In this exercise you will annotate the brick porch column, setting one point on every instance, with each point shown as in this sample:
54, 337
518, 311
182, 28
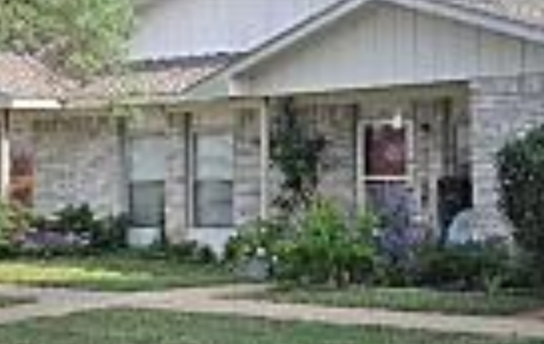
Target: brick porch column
502, 109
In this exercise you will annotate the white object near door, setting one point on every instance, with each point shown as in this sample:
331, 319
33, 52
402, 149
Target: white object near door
143, 237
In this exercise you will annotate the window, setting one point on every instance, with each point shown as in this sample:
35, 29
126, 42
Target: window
147, 204
147, 174
386, 171
213, 180
386, 151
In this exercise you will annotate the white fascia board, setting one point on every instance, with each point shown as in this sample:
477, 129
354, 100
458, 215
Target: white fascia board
34, 104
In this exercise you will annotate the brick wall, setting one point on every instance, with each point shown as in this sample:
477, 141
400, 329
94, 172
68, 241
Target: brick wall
503, 108
78, 161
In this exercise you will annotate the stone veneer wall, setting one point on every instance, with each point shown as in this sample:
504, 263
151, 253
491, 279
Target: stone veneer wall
247, 178
176, 183
503, 108
337, 123
337, 181
81, 159
78, 160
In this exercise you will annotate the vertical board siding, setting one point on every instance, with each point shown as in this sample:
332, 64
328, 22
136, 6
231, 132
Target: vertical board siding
388, 45
185, 27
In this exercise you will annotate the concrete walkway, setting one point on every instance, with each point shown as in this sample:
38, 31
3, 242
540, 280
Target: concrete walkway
58, 302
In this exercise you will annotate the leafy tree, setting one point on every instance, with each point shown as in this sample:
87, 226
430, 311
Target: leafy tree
77, 37
521, 185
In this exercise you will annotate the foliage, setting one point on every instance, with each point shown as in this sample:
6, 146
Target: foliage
397, 255
326, 248
14, 219
109, 233
297, 151
73, 219
252, 251
77, 37
258, 239
521, 185
476, 265
76, 228
191, 252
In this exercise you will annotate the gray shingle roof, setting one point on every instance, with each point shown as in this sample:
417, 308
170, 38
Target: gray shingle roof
25, 77
161, 77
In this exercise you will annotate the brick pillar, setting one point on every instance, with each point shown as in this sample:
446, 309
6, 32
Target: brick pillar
502, 109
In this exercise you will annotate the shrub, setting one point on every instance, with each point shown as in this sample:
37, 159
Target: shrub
252, 252
14, 220
191, 252
75, 229
477, 265
397, 255
109, 233
44, 244
325, 248
258, 239
520, 167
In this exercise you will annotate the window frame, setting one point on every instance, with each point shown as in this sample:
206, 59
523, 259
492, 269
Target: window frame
193, 178
362, 177
162, 217
132, 183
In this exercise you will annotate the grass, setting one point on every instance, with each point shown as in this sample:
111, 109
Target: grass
159, 327
462, 303
115, 272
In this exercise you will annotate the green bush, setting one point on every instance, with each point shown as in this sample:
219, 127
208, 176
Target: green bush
327, 249
107, 233
477, 265
258, 239
520, 167
14, 221
191, 252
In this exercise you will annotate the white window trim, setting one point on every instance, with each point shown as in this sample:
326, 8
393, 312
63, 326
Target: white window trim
129, 163
192, 179
361, 178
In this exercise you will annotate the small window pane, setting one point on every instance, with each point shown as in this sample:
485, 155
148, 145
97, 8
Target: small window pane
393, 202
214, 157
148, 158
385, 151
147, 204
213, 204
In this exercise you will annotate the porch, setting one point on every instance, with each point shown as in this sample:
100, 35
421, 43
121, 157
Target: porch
403, 153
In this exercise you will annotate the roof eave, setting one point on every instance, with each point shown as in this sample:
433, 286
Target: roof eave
334, 13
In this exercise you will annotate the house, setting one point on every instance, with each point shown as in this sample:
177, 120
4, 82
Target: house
414, 96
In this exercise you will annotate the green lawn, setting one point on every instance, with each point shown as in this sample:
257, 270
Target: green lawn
410, 300
139, 327
119, 272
